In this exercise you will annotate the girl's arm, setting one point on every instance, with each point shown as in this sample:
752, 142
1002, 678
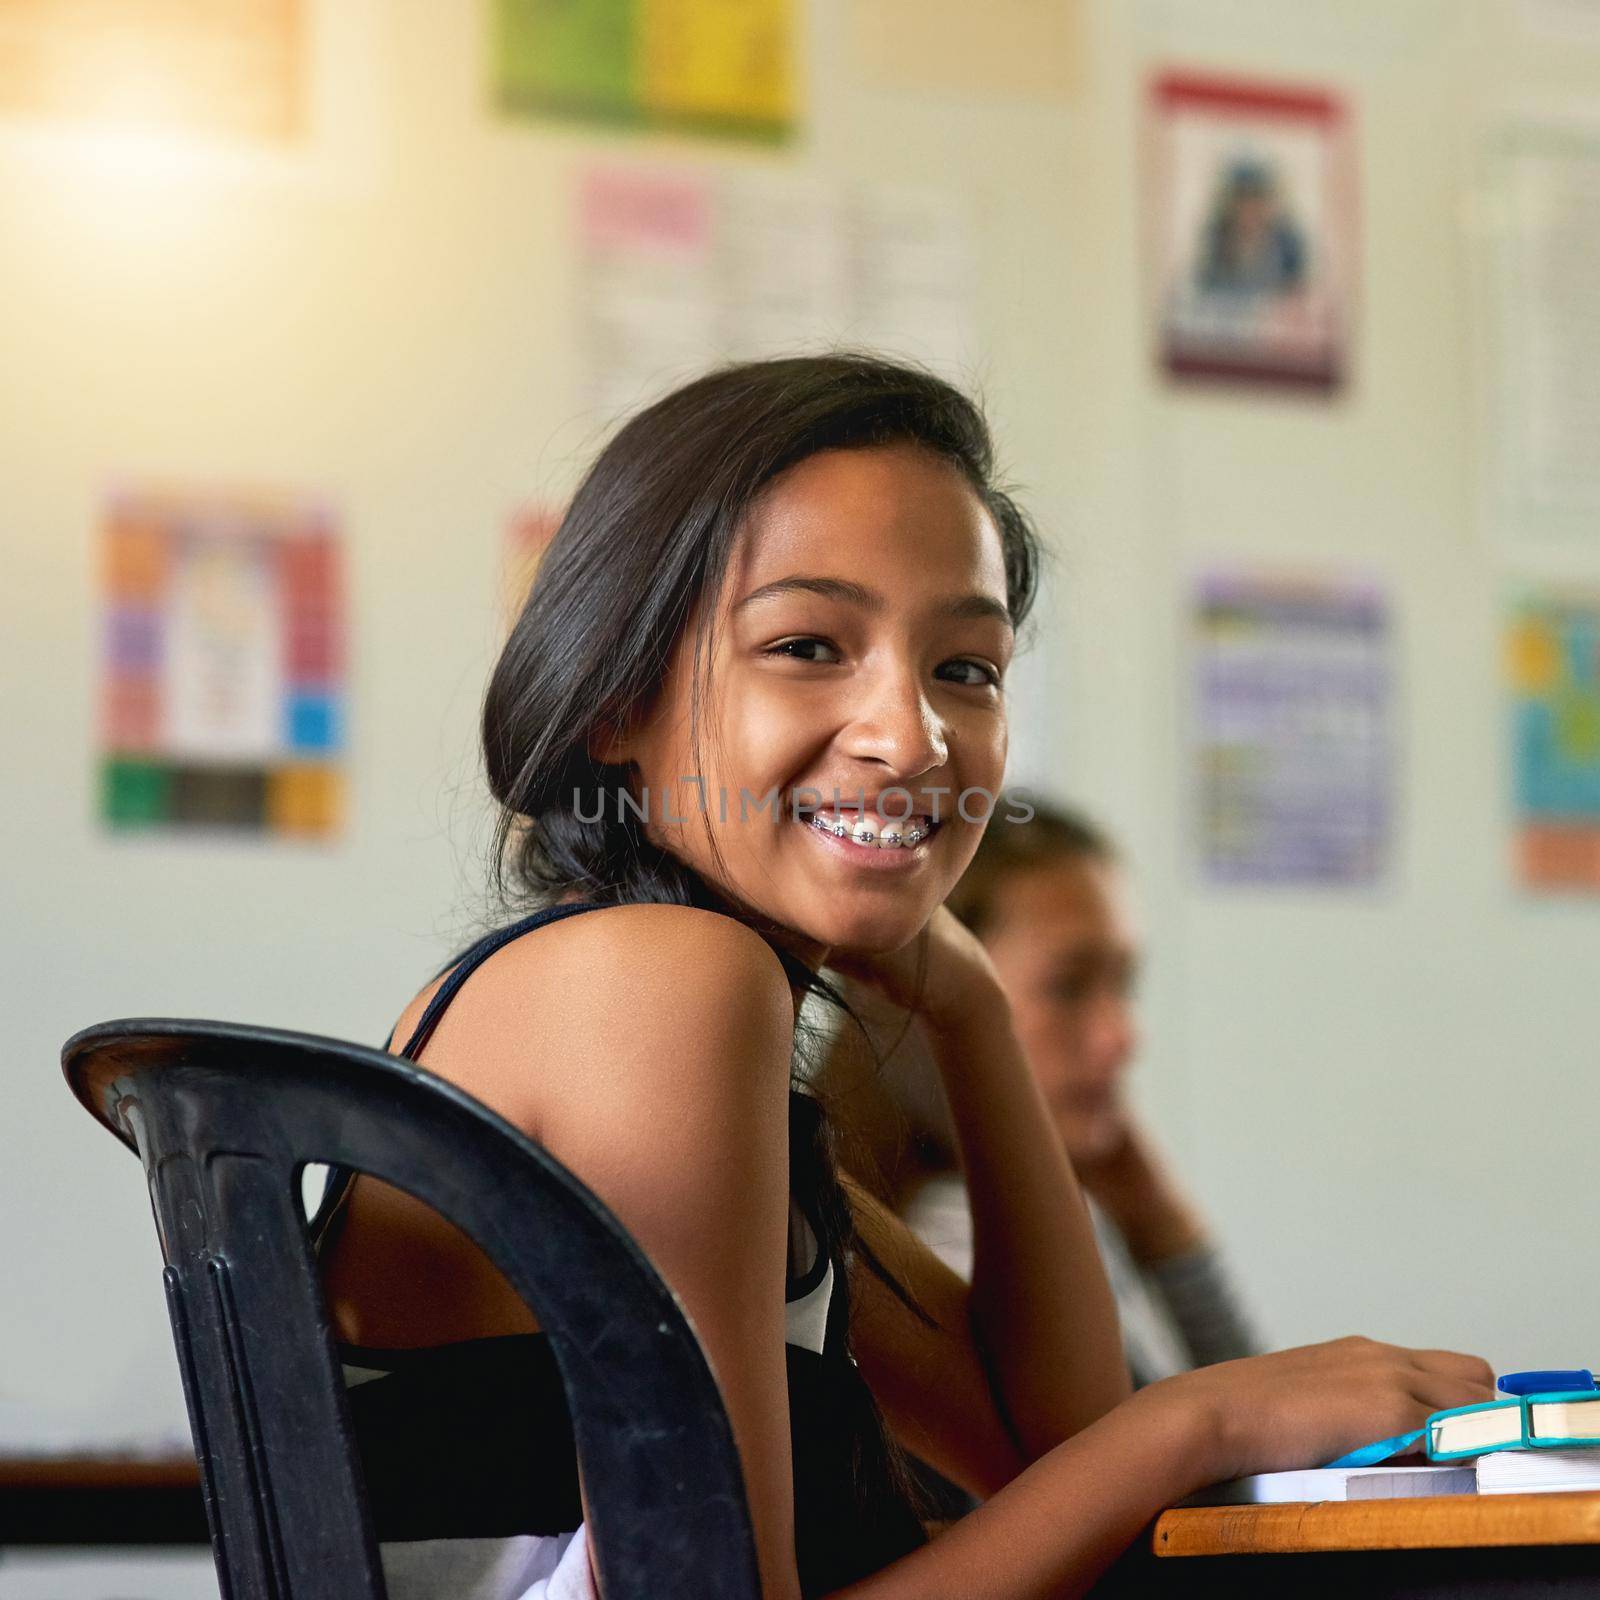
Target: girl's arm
1170, 1245
1041, 1311
1052, 1531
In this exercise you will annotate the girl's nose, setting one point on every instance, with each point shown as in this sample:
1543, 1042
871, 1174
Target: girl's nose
895, 725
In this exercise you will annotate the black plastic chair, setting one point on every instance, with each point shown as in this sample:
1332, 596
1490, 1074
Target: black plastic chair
225, 1118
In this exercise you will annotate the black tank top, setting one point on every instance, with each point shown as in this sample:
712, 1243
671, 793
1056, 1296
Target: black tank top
473, 1440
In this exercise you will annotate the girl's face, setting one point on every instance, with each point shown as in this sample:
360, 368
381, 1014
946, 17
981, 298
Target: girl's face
854, 689
1065, 950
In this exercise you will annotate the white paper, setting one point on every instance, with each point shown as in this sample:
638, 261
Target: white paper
679, 270
1544, 413
223, 668
1538, 1471
1339, 1483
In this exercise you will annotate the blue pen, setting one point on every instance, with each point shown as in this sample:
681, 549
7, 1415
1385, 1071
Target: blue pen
1546, 1381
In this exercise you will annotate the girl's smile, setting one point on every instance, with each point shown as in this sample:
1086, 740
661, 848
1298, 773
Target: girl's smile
870, 841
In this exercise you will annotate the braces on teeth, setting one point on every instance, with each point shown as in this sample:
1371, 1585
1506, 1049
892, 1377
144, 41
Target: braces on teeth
890, 839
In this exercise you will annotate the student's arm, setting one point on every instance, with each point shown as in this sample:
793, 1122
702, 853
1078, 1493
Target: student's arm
1053, 1530
648, 1049
926, 1370
1200, 1297
1170, 1245
1040, 1310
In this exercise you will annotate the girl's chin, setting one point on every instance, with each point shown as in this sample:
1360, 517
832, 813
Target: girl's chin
876, 933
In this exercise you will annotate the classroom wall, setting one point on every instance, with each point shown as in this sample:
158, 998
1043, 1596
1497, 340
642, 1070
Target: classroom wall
1366, 1089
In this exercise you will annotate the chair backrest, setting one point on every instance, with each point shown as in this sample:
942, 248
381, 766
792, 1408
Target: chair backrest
224, 1119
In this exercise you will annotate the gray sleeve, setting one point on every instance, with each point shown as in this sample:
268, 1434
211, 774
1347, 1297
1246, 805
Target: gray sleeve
1199, 1295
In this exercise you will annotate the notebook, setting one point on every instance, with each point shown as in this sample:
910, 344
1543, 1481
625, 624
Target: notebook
1338, 1483
1538, 1471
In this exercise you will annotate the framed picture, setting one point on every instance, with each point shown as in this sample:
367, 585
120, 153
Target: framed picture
1252, 221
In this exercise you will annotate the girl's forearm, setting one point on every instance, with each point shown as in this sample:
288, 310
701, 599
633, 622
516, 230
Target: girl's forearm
1042, 1311
1055, 1528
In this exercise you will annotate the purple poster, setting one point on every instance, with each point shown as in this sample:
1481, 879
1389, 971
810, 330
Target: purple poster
1294, 692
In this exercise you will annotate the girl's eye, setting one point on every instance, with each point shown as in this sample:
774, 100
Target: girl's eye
978, 674
1069, 989
804, 649
970, 674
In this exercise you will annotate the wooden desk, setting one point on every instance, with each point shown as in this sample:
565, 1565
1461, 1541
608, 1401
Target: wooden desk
85, 1500
1505, 1545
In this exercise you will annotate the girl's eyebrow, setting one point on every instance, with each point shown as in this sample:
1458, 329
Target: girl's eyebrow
967, 607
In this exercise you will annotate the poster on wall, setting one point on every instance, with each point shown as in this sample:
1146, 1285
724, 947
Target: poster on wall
723, 67
168, 66
1294, 729
1553, 672
224, 662
1571, 21
1542, 324
1251, 222
681, 268
1025, 50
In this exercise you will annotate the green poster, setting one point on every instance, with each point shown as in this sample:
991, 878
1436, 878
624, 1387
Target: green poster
573, 56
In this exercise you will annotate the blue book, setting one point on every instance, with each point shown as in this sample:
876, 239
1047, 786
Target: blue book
1529, 1418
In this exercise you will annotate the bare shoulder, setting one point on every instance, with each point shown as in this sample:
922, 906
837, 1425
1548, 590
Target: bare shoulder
605, 994
666, 938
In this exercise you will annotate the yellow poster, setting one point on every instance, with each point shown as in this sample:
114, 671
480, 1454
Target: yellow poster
719, 60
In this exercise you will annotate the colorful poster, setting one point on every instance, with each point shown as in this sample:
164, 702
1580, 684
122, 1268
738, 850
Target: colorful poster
681, 268
1553, 668
719, 66
1294, 712
1252, 232
170, 66
224, 657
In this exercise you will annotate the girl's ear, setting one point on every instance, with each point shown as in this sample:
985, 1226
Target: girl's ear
611, 744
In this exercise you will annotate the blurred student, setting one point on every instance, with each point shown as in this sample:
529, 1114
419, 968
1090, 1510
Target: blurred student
1047, 898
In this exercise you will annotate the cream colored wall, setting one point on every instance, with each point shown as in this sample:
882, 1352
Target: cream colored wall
389, 324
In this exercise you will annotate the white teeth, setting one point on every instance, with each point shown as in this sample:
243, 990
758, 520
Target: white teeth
895, 836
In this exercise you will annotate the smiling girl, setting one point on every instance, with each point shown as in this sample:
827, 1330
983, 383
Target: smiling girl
764, 655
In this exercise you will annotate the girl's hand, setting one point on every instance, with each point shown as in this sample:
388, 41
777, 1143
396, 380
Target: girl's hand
944, 975
1305, 1407
1136, 1189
